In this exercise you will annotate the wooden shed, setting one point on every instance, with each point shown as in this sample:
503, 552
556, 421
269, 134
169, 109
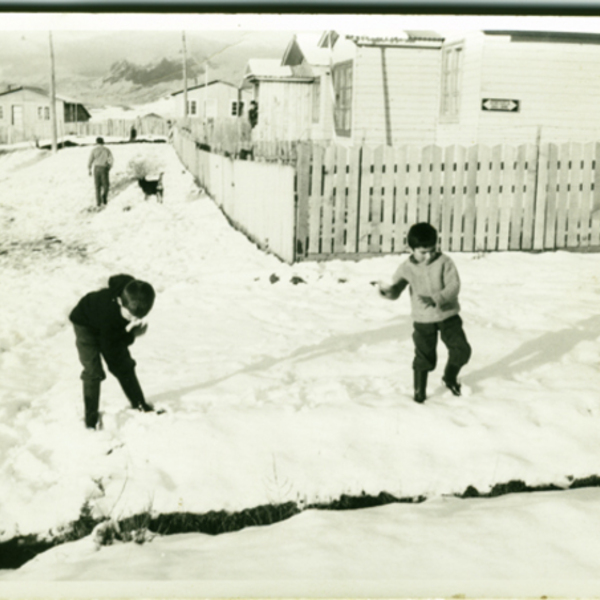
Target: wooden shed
213, 101
283, 94
304, 50
519, 87
25, 115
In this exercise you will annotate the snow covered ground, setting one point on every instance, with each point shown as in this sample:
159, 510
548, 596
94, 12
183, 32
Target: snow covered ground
282, 392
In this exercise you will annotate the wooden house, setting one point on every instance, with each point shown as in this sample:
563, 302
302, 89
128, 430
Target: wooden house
25, 115
304, 51
284, 95
351, 89
216, 100
519, 87
386, 89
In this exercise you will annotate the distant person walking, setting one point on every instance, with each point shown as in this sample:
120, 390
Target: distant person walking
253, 114
101, 160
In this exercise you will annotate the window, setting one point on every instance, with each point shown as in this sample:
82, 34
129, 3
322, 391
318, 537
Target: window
1, 112
192, 107
40, 112
47, 113
316, 101
342, 84
451, 70
237, 108
44, 113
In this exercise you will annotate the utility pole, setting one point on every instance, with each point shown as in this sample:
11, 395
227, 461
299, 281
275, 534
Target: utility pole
52, 97
185, 89
206, 91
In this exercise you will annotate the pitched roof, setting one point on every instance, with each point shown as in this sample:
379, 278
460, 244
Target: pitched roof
561, 37
21, 88
201, 85
306, 46
267, 67
409, 37
402, 38
43, 92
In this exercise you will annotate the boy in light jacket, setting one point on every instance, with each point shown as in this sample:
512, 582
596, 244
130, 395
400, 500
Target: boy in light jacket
434, 285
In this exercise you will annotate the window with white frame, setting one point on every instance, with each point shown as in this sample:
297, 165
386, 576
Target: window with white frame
342, 84
451, 75
47, 113
40, 112
192, 107
316, 101
44, 113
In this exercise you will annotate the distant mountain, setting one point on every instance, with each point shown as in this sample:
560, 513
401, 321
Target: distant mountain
135, 68
135, 83
147, 75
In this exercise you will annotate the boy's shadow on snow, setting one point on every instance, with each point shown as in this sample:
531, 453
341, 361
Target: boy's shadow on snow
547, 349
400, 329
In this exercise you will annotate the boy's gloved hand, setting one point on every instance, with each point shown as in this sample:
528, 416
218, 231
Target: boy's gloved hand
388, 290
140, 329
427, 301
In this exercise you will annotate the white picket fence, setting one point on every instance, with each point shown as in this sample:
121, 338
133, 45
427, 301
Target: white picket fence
338, 202
257, 198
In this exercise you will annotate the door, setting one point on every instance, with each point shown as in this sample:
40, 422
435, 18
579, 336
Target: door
17, 116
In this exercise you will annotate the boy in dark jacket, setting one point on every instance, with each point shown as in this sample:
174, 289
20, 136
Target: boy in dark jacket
434, 286
106, 323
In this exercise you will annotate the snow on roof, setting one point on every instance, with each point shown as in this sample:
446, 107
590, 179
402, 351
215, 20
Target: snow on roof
41, 92
382, 37
401, 38
267, 67
201, 85
21, 88
308, 43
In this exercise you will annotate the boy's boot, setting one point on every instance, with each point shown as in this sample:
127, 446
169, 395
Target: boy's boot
449, 378
91, 400
133, 391
420, 381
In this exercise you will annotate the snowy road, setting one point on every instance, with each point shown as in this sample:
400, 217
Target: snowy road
274, 392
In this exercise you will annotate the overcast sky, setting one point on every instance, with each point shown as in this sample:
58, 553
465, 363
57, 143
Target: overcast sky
272, 22
90, 43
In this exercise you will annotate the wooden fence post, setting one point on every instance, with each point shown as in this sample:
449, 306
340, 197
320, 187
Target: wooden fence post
530, 156
457, 195
470, 200
446, 198
541, 192
354, 185
302, 191
551, 194
595, 220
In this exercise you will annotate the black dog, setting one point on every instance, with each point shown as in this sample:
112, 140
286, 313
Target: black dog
152, 187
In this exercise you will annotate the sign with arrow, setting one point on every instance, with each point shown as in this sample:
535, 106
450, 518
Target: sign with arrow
500, 104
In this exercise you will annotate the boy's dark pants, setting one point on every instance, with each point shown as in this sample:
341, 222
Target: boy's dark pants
425, 337
101, 183
88, 348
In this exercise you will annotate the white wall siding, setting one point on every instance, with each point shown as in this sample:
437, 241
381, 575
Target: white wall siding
557, 85
284, 111
464, 130
216, 97
413, 94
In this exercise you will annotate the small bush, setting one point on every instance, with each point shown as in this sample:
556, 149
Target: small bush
145, 166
